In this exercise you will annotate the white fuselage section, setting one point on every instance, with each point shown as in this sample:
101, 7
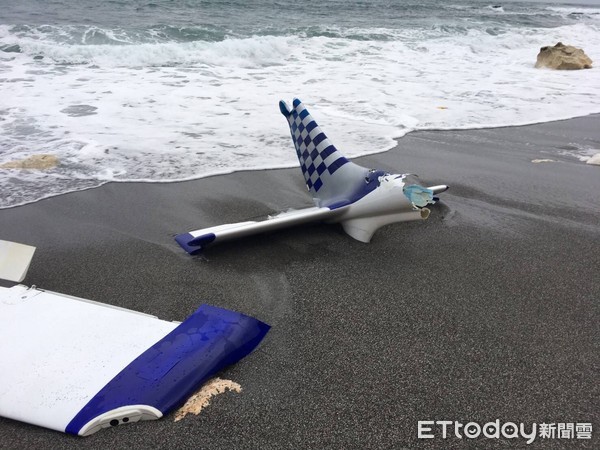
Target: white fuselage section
385, 205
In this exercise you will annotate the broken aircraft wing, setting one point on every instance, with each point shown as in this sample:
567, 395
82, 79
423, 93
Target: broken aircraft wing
77, 366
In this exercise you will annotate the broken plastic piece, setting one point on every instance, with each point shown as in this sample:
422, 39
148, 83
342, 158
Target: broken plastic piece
418, 195
14, 260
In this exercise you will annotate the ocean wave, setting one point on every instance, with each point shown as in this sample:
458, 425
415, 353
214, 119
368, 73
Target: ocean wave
575, 9
180, 110
93, 36
249, 52
97, 35
261, 50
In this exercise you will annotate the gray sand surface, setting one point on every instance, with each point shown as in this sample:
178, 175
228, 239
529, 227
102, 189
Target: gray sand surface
488, 310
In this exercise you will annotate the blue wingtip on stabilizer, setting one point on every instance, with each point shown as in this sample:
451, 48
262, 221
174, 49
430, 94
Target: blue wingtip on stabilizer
184, 241
194, 245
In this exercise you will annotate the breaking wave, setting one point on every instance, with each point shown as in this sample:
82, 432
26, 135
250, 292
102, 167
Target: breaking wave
173, 102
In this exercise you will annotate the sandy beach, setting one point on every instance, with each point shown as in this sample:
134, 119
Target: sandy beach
488, 310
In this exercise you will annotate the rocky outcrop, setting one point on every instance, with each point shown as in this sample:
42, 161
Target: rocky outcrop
563, 57
32, 162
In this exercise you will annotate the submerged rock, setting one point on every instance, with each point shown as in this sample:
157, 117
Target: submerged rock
563, 57
39, 162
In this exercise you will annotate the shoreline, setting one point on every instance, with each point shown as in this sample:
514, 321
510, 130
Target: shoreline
293, 165
489, 309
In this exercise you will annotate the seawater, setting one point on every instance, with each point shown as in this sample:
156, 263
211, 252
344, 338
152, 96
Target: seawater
132, 90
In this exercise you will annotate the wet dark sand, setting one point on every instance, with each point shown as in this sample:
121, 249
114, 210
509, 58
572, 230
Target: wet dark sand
488, 310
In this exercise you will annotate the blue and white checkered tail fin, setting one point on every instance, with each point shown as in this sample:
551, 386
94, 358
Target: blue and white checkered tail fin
330, 177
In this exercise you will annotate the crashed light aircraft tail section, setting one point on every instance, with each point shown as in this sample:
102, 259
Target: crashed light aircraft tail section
362, 200
330, 177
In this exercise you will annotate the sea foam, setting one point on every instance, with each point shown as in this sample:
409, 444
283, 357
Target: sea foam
130, 108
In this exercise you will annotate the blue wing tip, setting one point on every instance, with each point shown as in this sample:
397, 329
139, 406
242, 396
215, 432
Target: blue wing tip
184, 240
168, 372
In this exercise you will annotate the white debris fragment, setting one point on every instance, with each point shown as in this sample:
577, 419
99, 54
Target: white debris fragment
536, 161
594, 159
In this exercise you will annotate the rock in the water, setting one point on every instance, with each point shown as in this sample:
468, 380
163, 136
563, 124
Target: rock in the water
563, 57
32, 162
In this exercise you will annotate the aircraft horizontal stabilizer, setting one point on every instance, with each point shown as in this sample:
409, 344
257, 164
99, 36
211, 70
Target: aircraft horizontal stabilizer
195, 241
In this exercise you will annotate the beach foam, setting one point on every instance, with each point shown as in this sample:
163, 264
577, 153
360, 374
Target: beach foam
136, 105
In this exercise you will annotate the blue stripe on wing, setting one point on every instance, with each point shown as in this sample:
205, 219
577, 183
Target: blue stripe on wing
166, 374
194, 245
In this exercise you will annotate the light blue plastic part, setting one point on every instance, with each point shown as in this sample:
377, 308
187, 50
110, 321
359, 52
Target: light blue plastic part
418, 195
